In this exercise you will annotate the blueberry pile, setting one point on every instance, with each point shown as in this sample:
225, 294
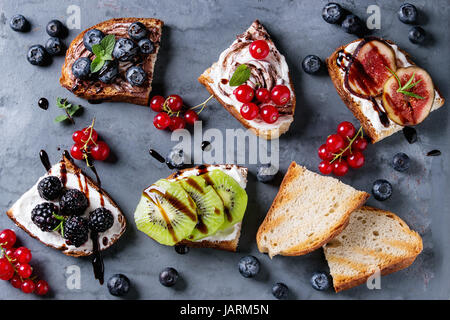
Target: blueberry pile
333, 13
407, 13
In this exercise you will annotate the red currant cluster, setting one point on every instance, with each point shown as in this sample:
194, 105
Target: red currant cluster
86, 143
170, 111
343, 150
15, 268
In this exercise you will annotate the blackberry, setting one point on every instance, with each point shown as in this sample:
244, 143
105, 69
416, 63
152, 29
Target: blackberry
42, 216
50, 188
76, 231
73, 202
100, 220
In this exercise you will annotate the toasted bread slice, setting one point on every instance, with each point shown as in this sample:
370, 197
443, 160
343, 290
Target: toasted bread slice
225, 239
268, 72
373, 240
307, 212
363, 109
20, 212
119, 89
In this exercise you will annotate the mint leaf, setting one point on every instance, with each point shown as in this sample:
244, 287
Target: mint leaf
73, 109
108, 43
240, 75
61, 118
97, 64
98, 50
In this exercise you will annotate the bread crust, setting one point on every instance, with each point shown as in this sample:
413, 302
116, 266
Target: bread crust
338, 82
109, 93
72, 168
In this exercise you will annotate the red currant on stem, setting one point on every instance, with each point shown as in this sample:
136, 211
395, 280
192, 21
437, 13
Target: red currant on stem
360, 144
24, 270
77, 151
263, 95
42, 288
190, 116
7, 238
10, 254
177, 123
244, 93
174, 102
335, 143
89, 135
346, 130
356, 160
340, 167
16, 282
280, 95
6, 269
325, 167
22, 255
161, 121
28, 286
157, 103
249, 111
269, 113
324, 153
100, 151
259, 49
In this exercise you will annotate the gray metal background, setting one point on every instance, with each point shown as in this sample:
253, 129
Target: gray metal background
194, 35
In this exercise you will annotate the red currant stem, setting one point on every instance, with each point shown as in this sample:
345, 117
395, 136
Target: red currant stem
349, 146
203, 104
166, 107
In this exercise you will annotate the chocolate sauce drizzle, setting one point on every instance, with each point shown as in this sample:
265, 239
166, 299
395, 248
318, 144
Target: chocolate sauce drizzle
97, 259
410, 134
205, 145
156, 155
44, 159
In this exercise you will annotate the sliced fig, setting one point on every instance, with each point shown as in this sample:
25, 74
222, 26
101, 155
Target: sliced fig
412, 107
367, 73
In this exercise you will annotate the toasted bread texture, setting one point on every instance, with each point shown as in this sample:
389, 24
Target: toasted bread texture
374, 240
119, 89
308, 211
258, 127
363, 109
20, 212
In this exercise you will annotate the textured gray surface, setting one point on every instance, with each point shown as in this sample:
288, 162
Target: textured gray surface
194, 35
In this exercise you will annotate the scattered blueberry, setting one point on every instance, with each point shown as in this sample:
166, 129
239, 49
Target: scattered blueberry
312, 64
109, 71
81, 68
125, 49
54, 46
407, 13
91, 37
55, 28
333, 13
181, 249
266, 172
137, 31
321, 281
249, 266
280, 290
401, 162
146, 46
136, 76
382, 189
416, 35
37, 55
168, 277
19, 23
176, 159
118, 285
352, 24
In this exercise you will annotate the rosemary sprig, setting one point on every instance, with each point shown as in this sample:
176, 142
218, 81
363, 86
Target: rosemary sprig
407, 86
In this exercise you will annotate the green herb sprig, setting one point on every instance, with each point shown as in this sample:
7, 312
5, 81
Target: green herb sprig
240, 75
407, 86
103, 52
60, 226
69, 108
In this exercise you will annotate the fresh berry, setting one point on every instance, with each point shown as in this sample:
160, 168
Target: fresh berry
168, 277
269, 113
280, 94
157, 103
266, 172
5, 267
37, 55
54, 46
100, 220
176, 158
324, 153
417, 35
10, 253
333, 13
249, 266
43, 103
125, 49
19, 23
312, 64
50, 188
77, 151
346, 130
24, 270
145, 46
181, 249
100, 151
401, 162
42, 288
136, 76
259, 49
335, 143
352, 24
360, 144
191, 116
23, 255
7, 276
244, 93
326, 167
249, 111
407, 13
108, 71
43, 216
16, 282
55, 28
118, 285
340, 167
263, 95
89, 135
356, 160
77, 135
280, 290
7, 238
28, 286
91, 37
161, 121
176, 123
76, 231
175, 103
321, 281
81, 68
137, 31
382, 189
73, 202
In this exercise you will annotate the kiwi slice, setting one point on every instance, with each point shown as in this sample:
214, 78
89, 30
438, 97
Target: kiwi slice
166, 213
234, 198
210, 211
